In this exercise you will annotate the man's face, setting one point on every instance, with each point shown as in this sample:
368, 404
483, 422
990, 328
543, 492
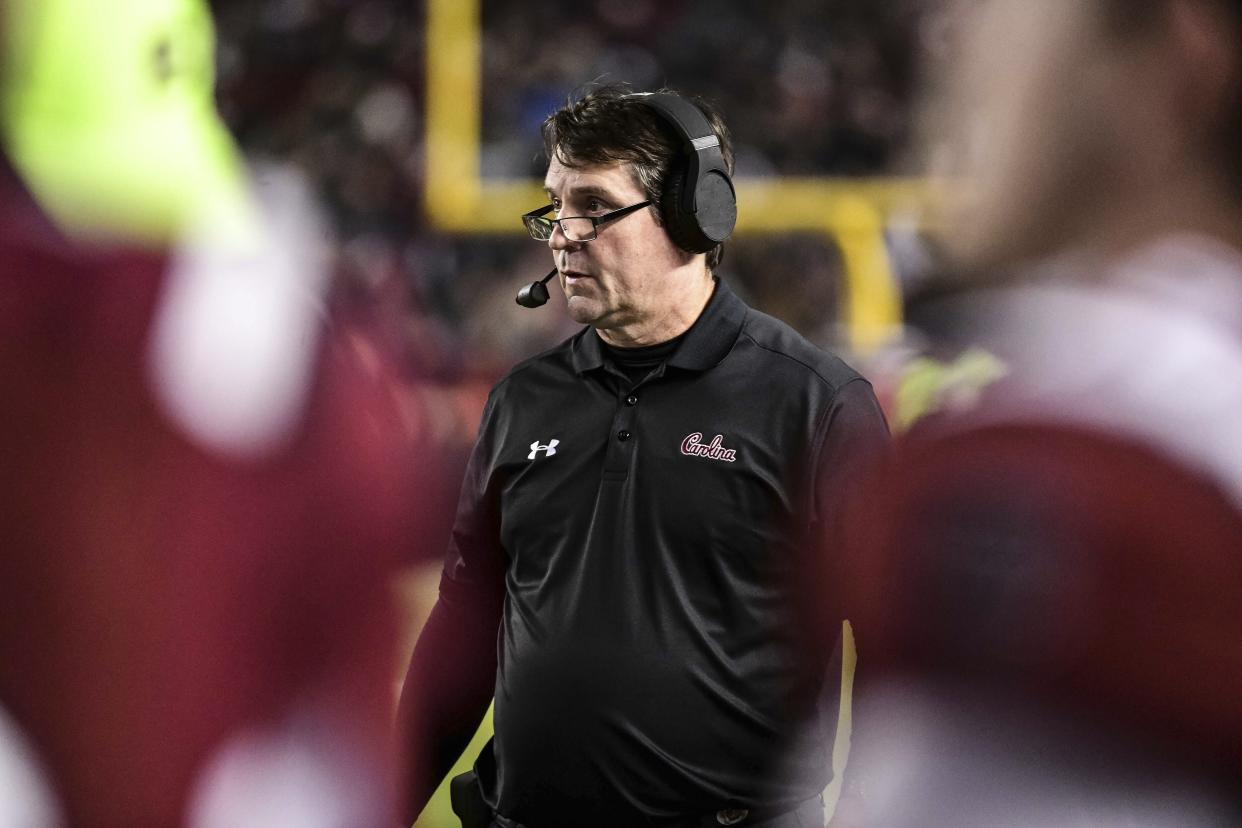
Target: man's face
1039, 111
622, 277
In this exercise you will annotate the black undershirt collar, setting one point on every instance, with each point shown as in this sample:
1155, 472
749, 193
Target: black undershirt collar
637, 363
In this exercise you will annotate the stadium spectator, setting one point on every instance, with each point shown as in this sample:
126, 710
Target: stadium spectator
1045, 590
640, 505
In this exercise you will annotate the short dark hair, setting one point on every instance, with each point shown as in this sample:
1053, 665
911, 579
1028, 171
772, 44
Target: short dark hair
608, 125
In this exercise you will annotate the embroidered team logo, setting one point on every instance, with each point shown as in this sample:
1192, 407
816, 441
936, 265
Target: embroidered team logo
549, 449
693, 446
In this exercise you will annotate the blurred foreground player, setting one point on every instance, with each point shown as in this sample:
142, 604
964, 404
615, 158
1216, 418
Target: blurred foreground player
1046, 589
203, 485
640, 503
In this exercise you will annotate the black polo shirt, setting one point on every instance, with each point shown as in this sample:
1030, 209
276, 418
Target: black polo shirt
640, 543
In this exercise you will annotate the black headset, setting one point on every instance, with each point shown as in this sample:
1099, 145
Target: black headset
698, 205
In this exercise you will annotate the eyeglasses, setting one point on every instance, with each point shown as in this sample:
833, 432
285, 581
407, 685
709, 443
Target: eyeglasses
575, 228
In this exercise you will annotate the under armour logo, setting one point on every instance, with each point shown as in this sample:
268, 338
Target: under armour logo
535, 448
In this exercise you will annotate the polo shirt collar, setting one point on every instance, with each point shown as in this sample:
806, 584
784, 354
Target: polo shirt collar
587, 353
707, 342
711, 337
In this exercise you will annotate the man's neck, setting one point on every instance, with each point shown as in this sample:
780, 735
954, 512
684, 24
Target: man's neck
671, 322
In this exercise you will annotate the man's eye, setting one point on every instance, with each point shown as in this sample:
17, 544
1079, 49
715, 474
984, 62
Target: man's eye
594, 205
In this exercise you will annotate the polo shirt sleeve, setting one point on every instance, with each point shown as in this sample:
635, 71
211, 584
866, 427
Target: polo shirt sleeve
852, 443
452, 672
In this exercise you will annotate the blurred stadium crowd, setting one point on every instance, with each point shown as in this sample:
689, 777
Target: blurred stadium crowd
812, 89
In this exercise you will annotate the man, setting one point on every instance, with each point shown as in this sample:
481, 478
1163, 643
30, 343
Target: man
1047, 586
640, 502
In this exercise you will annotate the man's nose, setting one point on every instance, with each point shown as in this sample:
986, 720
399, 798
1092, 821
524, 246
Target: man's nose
558, 240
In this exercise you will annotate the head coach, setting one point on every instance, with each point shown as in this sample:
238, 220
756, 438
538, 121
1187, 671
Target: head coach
639, 510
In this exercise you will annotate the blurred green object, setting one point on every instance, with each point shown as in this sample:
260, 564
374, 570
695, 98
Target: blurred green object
928, 385
438, 813
109, 115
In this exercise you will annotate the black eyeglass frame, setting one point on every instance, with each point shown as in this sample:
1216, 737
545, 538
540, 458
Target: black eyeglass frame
536, 219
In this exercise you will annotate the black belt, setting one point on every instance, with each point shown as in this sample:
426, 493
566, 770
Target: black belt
736, 817
469, 806
812, 809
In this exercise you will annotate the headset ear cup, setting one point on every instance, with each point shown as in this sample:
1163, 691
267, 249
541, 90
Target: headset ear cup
682, 228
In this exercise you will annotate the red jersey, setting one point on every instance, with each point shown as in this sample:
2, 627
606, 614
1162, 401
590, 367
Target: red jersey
190, 584
1076, 539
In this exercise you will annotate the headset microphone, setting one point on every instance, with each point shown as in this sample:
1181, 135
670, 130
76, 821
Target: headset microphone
536, 293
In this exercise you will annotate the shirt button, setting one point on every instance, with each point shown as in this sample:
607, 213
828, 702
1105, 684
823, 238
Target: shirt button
631, 400
623, 435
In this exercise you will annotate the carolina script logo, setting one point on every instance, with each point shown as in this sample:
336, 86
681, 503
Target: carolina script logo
693, 446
